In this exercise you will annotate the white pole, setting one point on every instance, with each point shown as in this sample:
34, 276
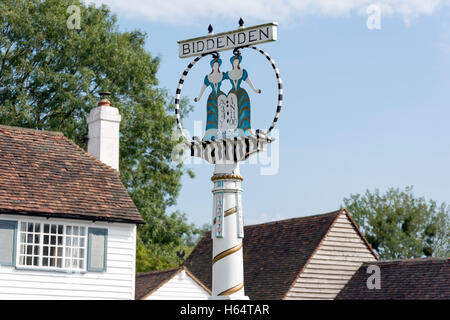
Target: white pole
227, 233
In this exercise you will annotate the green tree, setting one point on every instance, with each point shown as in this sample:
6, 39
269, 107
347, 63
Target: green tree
50, 76
399, 225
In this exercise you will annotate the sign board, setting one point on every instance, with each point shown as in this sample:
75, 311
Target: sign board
228, 40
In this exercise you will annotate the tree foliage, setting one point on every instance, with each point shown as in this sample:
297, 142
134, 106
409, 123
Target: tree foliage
399, 225
50, 76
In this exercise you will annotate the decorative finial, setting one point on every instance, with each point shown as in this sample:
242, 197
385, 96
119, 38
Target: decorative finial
241, 23
181, 255
103, 98
210, 29
104, 93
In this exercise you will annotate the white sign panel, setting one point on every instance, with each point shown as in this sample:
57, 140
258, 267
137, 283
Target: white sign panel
228, 40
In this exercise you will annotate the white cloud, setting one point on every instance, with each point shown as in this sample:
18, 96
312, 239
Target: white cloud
184, 12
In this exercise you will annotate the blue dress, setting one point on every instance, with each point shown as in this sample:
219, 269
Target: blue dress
243, 101
211, 108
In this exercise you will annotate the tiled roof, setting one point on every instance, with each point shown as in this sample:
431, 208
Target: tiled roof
401, 280
274, 254
43, 173
148, 282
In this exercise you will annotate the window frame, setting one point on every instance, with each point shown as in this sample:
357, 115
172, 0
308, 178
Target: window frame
14, 224
41, 245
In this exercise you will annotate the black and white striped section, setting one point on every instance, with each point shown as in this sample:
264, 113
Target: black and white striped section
229, 150
178, 94
280, 86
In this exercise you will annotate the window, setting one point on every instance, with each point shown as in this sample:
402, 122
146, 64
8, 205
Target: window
7, 242
52, 245
97, 249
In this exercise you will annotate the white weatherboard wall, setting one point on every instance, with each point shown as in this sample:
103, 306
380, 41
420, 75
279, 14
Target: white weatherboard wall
339, 256
179, 287
117, 282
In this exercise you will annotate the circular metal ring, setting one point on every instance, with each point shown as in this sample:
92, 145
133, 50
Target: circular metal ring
189, 67
178, 93
280, 87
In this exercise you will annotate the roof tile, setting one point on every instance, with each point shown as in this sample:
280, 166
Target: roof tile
402, 279
44, 173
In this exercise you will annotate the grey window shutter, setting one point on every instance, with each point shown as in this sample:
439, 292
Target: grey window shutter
8, 231
97, 249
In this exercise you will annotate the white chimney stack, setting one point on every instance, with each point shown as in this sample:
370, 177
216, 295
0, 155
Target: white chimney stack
104, 126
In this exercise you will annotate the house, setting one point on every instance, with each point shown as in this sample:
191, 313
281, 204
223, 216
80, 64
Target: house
67, 223
301, 258
400, 280
172, 284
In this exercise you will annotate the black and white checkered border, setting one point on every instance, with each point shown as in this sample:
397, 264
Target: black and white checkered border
280, 87
189, 67
178, 93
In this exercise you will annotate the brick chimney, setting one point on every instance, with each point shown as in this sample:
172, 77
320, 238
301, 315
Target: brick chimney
104, 124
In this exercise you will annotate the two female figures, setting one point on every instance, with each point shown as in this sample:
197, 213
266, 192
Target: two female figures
227, 115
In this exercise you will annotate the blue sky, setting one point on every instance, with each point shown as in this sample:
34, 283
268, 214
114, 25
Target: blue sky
363, 109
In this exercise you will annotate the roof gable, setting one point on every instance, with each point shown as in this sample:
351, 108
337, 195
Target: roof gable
338, 256
274, 254
147, 283
43, 173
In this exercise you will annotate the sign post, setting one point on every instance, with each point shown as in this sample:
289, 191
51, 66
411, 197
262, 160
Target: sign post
228, 140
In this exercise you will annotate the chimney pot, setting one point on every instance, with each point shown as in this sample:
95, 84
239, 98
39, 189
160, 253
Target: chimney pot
104, 101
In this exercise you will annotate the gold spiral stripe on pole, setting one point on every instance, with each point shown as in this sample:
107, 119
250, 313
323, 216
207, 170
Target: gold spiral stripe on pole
227, 213
227, 252
230, 211
232, 290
